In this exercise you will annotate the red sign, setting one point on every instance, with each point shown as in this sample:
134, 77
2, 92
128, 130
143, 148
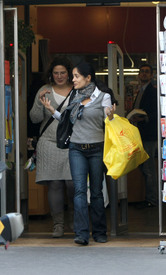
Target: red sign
7, 72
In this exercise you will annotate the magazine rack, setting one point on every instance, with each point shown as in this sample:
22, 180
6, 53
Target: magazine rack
161, 102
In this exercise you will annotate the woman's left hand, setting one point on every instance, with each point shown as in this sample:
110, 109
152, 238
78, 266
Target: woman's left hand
110, 111
47, 103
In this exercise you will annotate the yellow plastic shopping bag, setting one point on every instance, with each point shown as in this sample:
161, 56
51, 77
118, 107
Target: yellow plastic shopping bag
123, 149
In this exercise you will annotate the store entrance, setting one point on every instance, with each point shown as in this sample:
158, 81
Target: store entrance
142, 220
135, 181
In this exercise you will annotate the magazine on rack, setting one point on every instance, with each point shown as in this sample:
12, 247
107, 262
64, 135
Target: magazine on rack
136, 112
163, 126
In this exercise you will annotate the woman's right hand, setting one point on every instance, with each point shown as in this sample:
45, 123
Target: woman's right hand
47, 103
43, 93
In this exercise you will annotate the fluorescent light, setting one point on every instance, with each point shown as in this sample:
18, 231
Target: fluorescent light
129, 70
125, 72
101, 73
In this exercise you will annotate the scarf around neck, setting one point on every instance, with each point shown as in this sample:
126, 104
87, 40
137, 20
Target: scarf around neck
80, 96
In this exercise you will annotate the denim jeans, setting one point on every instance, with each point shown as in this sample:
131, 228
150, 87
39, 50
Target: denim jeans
149, 170
82, 163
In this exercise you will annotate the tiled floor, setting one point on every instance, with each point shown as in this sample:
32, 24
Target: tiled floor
143, 231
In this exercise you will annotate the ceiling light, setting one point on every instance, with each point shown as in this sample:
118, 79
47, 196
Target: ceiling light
125, 72
155, 2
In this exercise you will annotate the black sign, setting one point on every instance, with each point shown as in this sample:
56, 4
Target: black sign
87, 2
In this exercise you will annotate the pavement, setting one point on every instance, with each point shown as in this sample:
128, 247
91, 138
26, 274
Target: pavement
34, 254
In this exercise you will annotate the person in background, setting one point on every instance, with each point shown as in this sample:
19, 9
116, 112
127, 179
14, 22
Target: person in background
52, 164
146, 100
89, 108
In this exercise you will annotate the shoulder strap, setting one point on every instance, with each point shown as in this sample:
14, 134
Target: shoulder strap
46, 125
72, 95
52, 118
60, 106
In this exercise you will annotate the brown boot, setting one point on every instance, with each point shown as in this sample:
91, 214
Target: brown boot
58, 225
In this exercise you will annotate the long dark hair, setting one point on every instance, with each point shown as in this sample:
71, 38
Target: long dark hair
62, 61
105, 89
85, 69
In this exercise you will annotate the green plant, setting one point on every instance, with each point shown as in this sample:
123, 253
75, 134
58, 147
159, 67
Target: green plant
26, 35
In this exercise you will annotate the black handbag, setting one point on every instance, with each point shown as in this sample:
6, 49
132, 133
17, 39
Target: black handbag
64, 129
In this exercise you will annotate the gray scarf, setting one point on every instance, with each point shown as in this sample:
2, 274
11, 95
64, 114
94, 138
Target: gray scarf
80, 96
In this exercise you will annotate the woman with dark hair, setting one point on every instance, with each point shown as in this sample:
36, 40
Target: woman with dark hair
49, 76
52, 164
89, 108
104, 88
88, 111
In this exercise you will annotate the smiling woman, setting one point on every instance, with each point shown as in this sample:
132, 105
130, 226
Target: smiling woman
52, 165
60, 76
79, 80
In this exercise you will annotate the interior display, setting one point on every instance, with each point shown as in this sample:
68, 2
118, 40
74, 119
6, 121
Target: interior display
164, 149
163, 126
163, 105
9, 119
161, 79
164, 192
163, 84
163, 62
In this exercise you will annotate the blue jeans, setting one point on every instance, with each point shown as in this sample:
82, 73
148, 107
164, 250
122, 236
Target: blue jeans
149, 170
82, 163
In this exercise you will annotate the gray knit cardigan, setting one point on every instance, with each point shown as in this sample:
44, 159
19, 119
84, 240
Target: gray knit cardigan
52, 162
